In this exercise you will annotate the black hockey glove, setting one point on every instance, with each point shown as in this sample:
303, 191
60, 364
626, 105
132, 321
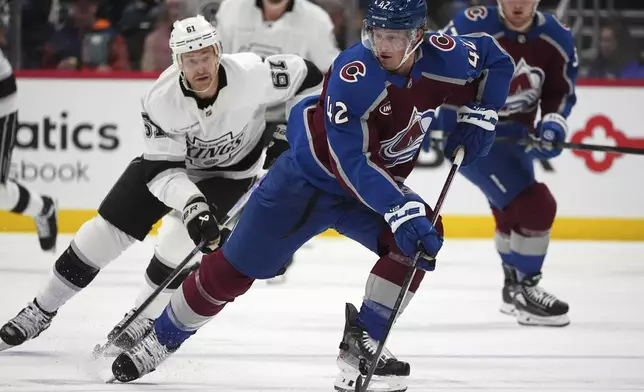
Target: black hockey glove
201, 223
277, 145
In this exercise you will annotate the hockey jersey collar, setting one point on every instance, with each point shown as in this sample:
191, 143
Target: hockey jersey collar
260, 5
203, 103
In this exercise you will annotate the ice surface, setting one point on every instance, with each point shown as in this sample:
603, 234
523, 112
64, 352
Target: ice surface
285, 338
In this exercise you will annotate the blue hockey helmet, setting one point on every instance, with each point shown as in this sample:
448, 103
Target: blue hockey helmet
394, 25
396, 14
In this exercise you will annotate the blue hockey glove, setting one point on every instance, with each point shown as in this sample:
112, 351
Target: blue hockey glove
474, 131
551, 129
412, 228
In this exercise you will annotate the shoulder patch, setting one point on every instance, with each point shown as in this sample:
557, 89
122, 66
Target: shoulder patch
352, 71
475, 13
442, 42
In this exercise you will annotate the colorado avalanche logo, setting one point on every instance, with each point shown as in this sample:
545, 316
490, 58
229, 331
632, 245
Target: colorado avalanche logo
405, 144
525, 89
350, 72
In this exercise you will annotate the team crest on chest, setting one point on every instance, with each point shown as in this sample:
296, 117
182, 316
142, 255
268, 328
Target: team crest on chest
525, 89
405, 144
207, 153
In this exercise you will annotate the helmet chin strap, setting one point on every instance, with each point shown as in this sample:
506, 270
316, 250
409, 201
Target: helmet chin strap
408, 52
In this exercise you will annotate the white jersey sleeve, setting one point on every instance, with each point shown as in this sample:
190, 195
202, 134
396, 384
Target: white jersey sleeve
165, 151
291, 78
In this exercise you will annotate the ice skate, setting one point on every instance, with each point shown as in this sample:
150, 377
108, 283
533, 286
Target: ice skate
357, 345
535, 306
47, 225
507, 292
136, 331
28, 324
141, 359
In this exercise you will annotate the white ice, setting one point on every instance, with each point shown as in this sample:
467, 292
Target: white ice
285, 338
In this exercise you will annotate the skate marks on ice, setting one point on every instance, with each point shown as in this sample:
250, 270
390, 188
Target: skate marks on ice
285, 338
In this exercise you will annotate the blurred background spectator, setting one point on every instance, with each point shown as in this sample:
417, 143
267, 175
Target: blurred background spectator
157, 55
85, 41
617, 55
133, 34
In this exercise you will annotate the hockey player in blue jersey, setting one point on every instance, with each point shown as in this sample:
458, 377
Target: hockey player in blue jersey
523, 208
351, 149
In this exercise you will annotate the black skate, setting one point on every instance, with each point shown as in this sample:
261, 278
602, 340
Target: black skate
47, 224
507, 293
28, 324
535, 306
357, 345
136, 331
141, 359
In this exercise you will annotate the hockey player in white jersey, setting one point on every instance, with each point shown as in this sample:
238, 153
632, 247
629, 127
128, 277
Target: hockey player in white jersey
268, 27
15, 197
204, 127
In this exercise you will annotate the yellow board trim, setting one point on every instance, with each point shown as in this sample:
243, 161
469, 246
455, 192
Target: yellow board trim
456, 226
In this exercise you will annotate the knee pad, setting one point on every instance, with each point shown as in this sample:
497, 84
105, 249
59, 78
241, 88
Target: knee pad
94, 246
533, 211
13, 197
172, 246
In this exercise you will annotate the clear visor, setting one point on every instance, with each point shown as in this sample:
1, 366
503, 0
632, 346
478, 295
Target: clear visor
380, 40
201, 61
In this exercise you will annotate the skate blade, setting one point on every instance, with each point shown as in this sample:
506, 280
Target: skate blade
5, 346
278, 280
508, 309
346, 382
528, 319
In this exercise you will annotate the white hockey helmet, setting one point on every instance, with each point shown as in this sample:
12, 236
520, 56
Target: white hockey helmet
191, 34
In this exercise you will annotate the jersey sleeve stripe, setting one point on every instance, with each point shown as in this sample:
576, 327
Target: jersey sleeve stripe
365, 131
345, 178
309, 138
444, 79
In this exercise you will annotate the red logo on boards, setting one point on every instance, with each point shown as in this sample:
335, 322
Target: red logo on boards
595, 126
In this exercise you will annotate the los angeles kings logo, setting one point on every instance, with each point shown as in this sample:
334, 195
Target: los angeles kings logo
207, 153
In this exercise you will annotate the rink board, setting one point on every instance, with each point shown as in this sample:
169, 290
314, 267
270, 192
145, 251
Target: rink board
76, 136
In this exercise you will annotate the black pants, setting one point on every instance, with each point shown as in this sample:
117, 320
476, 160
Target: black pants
131, 208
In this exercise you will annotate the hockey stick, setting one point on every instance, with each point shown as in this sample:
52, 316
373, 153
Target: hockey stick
573, 146
561, 145
230, 216
360, 385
